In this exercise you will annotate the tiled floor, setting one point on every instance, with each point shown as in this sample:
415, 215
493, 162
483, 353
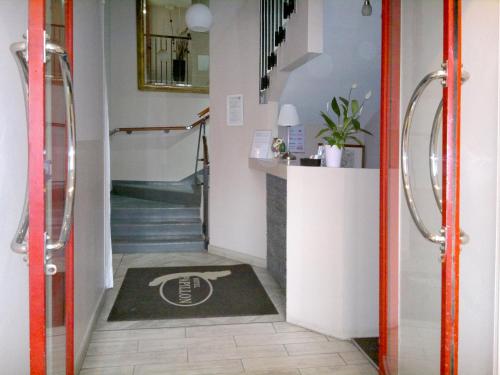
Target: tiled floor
258, 345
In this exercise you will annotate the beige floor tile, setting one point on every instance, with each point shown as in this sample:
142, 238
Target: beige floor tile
129, 370
203, 368
320, 347
282, 327
271, 372
320, 360
185, 343
138, 334
341, 370
354, 357
279, 338
226, 352
113, 347
231, 329
130, 359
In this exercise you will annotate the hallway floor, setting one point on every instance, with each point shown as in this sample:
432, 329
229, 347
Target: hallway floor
258, 345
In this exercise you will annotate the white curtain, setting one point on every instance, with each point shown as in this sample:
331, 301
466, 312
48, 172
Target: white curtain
108, 258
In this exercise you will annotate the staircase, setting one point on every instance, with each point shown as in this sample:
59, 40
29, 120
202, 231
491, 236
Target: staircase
153, 217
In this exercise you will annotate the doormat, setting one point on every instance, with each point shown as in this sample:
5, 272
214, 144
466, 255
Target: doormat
190, 292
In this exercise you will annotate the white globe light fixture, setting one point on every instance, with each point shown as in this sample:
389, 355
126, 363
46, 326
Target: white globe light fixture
199, 18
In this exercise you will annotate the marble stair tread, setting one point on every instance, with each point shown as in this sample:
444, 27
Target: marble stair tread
120, 222
122, 201
174, 243
152, 230
164, 186
158, 237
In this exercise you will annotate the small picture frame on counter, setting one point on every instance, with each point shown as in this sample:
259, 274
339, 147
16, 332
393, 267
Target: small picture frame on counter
261, 145
353, 156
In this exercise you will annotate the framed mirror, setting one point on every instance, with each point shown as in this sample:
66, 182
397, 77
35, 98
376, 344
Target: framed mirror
170, 57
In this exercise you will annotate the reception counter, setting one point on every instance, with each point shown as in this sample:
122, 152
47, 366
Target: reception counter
323, 245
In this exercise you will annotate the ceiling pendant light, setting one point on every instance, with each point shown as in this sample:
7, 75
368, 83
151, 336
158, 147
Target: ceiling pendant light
366, 10
199, 18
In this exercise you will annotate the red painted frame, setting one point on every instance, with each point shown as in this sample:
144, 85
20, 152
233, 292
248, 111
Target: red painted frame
389, 186
451, 185
36, 146
70, 273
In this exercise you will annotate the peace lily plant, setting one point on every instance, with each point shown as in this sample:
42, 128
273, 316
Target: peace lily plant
346, 126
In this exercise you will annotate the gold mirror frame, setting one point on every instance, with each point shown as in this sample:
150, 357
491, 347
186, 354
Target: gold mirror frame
142, 85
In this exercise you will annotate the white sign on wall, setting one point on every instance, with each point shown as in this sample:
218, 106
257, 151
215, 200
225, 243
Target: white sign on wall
235, 110
297, 139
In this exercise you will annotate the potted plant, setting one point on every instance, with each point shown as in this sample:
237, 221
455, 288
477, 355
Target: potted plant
346, 128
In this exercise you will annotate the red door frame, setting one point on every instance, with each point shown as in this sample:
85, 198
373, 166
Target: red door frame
452, 55
389, 186
70, 268
36, 146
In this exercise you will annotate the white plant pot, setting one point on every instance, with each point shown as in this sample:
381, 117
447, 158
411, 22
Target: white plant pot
333, 156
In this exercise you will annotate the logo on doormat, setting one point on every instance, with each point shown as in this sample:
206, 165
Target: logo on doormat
188, 288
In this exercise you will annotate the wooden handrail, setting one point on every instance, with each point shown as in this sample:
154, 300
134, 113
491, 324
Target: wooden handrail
163, 128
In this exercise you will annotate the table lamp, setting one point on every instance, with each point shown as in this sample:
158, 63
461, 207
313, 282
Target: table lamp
288, 117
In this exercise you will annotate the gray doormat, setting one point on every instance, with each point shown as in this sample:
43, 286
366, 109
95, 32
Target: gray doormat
190, 292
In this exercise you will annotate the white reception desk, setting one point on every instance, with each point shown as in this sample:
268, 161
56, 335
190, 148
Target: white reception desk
332, 247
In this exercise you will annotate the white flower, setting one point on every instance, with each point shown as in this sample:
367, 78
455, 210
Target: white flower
368, 95
328, 106
354, 85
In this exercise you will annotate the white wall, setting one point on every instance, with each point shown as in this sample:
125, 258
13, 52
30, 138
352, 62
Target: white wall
14, 354
237, 194
156, 156
89, 257
352, 46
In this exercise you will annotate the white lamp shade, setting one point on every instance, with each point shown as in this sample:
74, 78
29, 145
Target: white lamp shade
288, 116
199, 18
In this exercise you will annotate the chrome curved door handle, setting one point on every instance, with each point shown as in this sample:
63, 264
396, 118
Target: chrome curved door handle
19, 243
437, 238
434, 159
69, 201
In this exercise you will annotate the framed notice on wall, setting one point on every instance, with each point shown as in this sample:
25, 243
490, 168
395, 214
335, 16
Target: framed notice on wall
297, 139
234, 109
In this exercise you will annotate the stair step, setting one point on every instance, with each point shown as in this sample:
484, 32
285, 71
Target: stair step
188, 226
180, 244
173, 192
154, 214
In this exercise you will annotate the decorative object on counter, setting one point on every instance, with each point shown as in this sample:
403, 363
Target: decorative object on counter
347, 127
288, 117
278, 147
310, 162
366, 9
320, 154
353, 156
199, 18
261, 145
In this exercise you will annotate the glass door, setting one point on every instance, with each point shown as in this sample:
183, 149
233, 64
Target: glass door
45, 232
420, 236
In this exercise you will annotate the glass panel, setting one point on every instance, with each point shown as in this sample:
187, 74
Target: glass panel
55, 170
419, 259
